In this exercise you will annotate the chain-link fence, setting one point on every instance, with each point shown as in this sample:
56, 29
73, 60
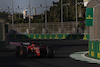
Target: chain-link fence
52, 28
95, 29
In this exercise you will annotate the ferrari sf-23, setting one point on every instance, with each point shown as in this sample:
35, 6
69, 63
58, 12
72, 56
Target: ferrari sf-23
32, 49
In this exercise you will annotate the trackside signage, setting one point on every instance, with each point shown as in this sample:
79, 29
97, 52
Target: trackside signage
89, 16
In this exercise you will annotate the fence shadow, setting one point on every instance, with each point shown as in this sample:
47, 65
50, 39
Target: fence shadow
75, 36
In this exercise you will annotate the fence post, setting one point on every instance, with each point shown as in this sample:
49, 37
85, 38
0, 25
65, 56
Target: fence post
37, 28
20, 27
3, 30
68, 27
53, 27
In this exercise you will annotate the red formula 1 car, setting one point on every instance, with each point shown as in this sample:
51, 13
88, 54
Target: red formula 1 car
33, 49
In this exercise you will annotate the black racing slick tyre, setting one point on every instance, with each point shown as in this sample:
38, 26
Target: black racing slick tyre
17, 51
23, 52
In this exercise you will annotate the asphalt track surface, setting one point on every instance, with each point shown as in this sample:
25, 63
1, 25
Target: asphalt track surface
63, 48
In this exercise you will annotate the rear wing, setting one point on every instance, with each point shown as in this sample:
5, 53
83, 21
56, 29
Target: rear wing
28, 43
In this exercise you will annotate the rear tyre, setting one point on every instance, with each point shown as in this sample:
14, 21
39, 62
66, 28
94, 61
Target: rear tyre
17, 51
23, 52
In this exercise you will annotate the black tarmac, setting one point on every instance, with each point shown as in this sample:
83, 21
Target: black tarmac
63, 48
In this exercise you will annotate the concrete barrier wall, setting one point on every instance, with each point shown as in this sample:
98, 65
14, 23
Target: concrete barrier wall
94, 49
50, 36
2, 44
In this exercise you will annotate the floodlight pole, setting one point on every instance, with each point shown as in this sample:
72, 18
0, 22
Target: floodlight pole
12, 16
76, 13
76, 16
45, 14
61, 14
29, 15
19, 11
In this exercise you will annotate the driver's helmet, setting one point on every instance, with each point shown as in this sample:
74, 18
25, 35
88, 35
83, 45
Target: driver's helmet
33, 45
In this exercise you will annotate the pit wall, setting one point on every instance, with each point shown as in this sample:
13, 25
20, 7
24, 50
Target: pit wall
94, 49
50, 36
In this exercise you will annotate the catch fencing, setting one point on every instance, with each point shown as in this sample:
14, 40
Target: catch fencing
52, 28
94, 42
95, 29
